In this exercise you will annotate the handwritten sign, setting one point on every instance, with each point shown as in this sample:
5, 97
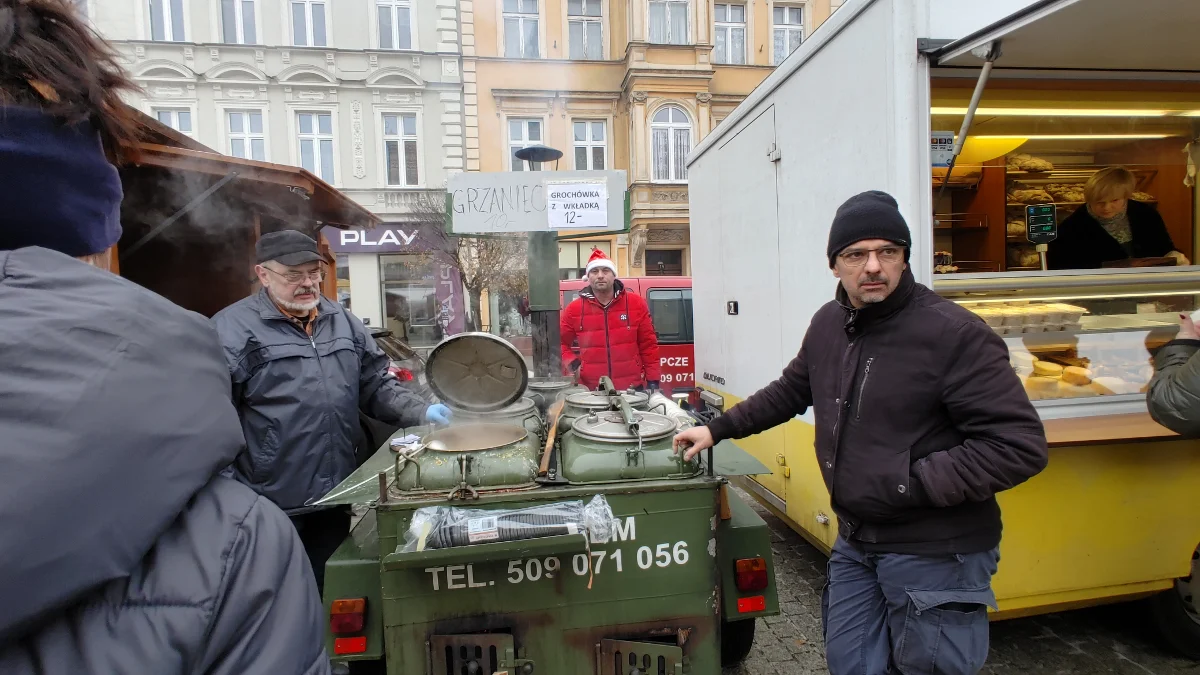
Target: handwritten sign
577, 205
518, 201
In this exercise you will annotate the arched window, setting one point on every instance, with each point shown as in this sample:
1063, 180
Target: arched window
670, 140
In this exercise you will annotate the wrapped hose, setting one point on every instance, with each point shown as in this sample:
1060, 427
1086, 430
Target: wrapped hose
448, 526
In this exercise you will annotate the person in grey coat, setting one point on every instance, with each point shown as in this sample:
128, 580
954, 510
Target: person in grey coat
302, 367
1174, 394
124, 550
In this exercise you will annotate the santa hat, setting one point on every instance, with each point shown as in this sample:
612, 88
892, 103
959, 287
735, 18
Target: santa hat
598, 259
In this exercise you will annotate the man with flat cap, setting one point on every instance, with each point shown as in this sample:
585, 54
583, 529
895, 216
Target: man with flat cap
302, 368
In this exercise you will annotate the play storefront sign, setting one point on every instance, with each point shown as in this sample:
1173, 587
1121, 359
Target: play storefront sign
369, 239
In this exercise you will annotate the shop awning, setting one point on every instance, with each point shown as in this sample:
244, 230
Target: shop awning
270, 185
1091, 35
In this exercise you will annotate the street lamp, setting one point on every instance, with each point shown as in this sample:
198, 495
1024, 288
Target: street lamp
539, 154
543, 280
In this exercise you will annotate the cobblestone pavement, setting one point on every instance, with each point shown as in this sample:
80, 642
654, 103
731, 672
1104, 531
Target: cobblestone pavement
1086, 642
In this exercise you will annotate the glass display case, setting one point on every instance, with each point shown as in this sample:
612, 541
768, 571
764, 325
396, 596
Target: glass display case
1083, 337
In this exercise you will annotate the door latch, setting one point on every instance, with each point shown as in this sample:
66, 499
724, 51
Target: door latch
773, 153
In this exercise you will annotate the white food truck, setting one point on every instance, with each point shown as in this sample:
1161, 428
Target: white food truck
1031, 106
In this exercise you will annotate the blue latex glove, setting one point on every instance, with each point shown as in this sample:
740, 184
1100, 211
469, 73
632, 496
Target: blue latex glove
438, 414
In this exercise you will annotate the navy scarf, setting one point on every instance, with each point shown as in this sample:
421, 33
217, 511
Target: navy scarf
57, 189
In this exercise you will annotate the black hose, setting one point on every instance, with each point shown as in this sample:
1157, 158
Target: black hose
513, 526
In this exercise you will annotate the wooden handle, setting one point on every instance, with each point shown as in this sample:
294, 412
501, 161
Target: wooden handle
551, 432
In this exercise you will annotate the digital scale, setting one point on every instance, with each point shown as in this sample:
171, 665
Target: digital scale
1041, 227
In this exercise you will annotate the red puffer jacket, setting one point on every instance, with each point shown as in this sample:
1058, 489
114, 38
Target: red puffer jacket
617, 340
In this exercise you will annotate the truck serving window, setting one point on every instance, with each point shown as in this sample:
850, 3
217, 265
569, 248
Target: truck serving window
671, 311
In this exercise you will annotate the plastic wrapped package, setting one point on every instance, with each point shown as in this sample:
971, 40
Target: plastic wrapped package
450, 526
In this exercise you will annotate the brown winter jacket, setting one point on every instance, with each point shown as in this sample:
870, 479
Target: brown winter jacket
920, 421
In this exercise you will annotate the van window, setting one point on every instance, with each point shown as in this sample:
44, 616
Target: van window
671, 312
569, 297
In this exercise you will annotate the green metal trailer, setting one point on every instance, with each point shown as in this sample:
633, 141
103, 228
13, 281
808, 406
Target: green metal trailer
674, 590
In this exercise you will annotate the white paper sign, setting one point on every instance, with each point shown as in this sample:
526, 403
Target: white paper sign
941, 148
577, 205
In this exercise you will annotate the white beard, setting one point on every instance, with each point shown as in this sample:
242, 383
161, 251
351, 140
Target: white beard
293, 306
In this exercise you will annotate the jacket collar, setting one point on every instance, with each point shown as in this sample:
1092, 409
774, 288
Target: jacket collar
267, 308
618, 289
859, 319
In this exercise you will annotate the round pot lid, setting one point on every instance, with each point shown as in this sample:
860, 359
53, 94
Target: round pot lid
543, 385
599, 401
476, 372
609, 426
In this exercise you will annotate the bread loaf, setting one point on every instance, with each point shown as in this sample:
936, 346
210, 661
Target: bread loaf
1047, 369
1077, 375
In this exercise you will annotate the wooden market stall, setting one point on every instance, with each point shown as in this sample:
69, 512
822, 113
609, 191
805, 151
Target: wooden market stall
191, 218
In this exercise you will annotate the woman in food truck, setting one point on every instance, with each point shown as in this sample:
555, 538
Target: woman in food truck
1110, 226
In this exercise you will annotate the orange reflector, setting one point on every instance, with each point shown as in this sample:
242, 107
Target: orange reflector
352, 645
348, 606
755, 603
750, 574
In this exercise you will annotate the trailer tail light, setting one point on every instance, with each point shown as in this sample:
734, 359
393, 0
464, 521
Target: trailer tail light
754, 603
347, 616
350, 645
751, 574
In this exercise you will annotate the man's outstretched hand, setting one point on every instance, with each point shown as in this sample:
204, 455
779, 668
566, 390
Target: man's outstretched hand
693, 441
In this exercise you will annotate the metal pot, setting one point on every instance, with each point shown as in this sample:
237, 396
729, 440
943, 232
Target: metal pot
600, 447
523, 413
467, 457
581, 404
545, 392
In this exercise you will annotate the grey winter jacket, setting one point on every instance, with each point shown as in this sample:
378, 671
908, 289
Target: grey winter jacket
1174, 394
298, 396
123, 552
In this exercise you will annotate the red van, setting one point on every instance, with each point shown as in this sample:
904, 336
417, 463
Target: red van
670, 301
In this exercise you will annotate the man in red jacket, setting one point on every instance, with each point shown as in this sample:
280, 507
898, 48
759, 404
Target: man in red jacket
614, 330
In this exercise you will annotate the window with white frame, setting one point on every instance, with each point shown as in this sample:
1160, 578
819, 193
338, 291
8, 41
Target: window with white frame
586, 32
166, 20
315, 130
671, 138
521, 29
591, 144
179, 119
523, 133
729, 34
247, 138
789, 30
237, 22
395, 24
308, 23
669, 22
400, 149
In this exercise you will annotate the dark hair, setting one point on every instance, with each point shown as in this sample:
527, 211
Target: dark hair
52, 60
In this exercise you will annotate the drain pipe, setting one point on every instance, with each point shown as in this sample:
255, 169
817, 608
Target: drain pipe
989, 54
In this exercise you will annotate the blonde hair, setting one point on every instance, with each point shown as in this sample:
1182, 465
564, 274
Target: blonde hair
1114, 182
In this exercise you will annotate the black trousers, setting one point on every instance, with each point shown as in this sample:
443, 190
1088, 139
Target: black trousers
322, 532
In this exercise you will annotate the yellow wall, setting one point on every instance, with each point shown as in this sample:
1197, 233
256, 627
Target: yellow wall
625, 88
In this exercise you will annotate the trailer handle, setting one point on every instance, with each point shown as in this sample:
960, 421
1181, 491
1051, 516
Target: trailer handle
989, 53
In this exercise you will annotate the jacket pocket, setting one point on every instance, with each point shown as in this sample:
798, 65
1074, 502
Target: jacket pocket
862, 389
876, 490
945, 632
263, 454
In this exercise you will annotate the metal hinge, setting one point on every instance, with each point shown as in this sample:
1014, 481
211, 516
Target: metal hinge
773, 153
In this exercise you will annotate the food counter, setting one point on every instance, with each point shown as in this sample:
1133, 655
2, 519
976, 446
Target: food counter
1084, 336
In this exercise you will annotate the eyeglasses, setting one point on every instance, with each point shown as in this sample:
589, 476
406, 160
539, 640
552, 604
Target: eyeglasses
859, 257
294, 277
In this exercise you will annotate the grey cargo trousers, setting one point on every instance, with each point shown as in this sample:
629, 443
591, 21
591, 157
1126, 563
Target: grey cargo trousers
888, 613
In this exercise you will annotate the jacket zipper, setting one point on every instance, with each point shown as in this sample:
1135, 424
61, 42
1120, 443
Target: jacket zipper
608, 345
862, 389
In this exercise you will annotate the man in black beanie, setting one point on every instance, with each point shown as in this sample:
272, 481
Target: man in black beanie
920, 421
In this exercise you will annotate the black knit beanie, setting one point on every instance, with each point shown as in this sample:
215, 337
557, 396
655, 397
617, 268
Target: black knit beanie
867, 215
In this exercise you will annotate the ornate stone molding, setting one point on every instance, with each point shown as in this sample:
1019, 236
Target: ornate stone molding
673, 196
704, 97
357, 142
639, 97
637, 241
671, 236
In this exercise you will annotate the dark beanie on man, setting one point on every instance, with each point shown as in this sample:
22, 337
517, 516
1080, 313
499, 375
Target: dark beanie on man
867, 215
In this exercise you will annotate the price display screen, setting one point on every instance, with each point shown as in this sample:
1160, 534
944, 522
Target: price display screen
1041, 223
